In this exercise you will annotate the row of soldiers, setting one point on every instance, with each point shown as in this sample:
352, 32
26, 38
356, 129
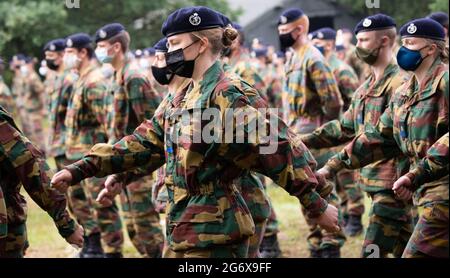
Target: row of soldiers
215, 196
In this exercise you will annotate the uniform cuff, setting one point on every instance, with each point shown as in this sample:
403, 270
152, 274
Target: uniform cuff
66, 226
313, 203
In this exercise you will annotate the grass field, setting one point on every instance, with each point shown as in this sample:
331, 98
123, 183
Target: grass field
46, 242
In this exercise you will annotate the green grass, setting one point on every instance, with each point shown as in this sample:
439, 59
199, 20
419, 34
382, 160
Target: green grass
46, 242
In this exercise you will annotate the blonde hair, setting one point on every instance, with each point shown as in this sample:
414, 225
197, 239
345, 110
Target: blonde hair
441, 48
219, 38
391, 33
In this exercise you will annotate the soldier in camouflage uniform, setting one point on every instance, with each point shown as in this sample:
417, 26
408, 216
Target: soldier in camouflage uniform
131, 100
352, 199
389, 222
58, 86
264, 242
21, 163
28, 90
207, 216
416, 117
310, 98
6, 98
85, 124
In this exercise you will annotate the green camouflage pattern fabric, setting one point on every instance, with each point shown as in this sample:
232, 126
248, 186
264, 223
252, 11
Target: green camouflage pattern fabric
85, 126
274, 86
430, 236
6, 98
86, 114
390, 225
414, 120
131, 101
249, 71
29, 93
361, 69
310, 95
22, 164
346, 78
58, 94
434, 165
368, 104
205, 208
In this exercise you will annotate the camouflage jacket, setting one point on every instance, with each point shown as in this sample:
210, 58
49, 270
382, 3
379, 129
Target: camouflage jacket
346, 78
6, 98
368, 104
205, 208
129, 102
311, 95
58, 97
414, 120
22, 164
86, 115
248, 71
33, 93
434, 165
274, 86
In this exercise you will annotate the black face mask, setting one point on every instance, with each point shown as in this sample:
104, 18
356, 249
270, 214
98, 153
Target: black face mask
51, 64
162, 76
286, 40
177, 64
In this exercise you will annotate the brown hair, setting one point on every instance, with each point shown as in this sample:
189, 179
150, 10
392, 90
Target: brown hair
219, 38
441, 48
123, 38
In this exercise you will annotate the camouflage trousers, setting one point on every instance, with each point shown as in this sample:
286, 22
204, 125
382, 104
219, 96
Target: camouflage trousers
106, 218
238, 250
351, 195
253, 190
319, 239
15, 243
32, 127
79, 205
390, 226
141, 218
430, 236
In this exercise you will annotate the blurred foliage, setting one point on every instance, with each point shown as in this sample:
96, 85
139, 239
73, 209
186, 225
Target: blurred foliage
401, 10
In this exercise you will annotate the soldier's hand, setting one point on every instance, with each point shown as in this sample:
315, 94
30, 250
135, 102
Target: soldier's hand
329, 219
324, 172
61, 180
113, 184
402, 188
77, 237
112, 188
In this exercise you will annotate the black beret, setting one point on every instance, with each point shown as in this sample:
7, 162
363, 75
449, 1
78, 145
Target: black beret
375, 22
290, 15
161, 45
440, 17
191, 19
326, 33
79, 40
55, 45
108, 31
423, 28
149, 51
260, 52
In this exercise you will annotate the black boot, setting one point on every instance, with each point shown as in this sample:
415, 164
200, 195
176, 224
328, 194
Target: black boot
117, 255
315, 254
269, 247
354, 226
331, 252
92, 247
